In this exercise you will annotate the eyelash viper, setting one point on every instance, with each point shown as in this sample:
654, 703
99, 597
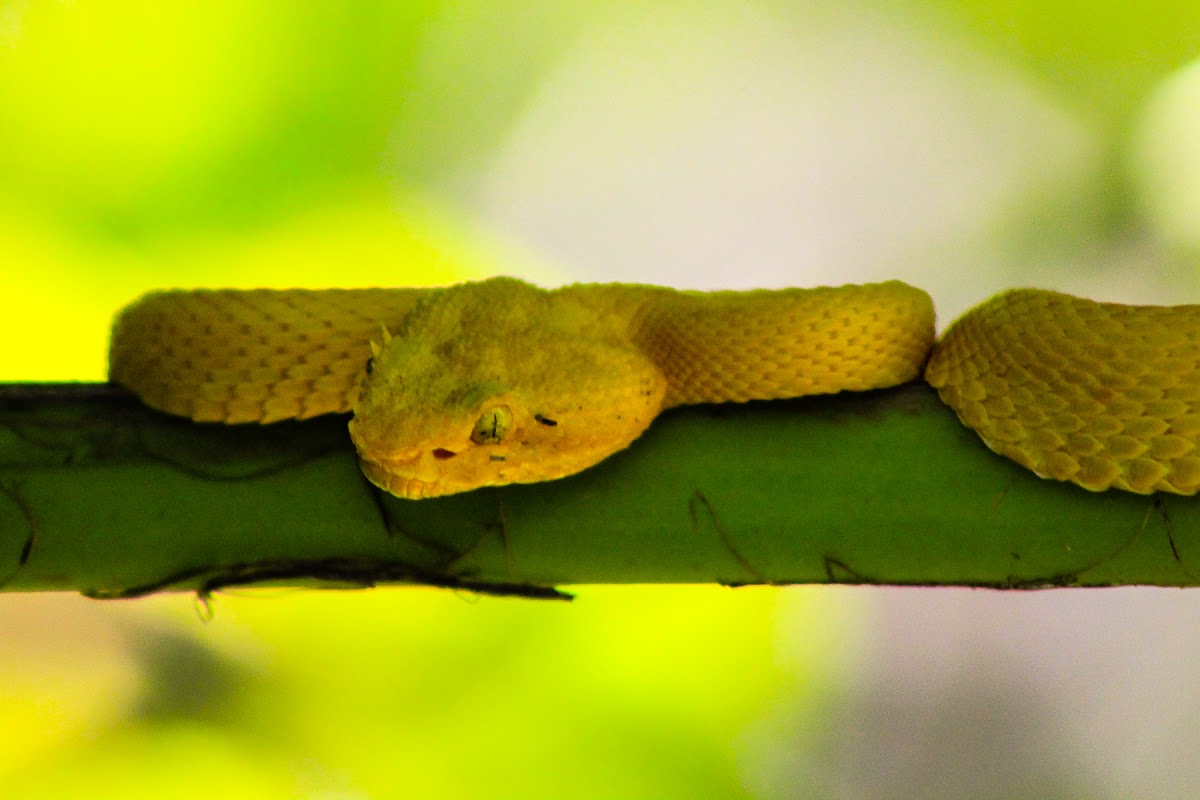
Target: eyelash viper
498, 381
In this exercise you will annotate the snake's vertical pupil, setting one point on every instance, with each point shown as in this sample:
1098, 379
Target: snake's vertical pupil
492, 425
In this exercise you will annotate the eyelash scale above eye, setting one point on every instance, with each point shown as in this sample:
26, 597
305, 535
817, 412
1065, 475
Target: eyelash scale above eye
376, 349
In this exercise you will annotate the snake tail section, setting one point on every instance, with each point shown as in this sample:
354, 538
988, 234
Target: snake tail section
1099, 394
252, 356
717, 347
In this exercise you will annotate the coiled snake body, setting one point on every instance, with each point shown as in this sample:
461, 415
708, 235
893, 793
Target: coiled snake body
498, 381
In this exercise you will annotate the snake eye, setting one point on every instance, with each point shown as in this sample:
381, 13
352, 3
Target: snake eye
376, 350
492, 425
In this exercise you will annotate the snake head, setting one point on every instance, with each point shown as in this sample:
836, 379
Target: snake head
484, 388
462, 441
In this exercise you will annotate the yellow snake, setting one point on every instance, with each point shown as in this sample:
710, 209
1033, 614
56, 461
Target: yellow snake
496, 382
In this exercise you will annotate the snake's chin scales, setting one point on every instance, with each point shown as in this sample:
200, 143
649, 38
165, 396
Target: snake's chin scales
498, 381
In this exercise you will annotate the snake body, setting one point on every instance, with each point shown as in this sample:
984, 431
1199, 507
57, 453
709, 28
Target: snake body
1100, 394
498, 381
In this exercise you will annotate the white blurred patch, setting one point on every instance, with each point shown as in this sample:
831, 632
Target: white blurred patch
721, 146
1166, 158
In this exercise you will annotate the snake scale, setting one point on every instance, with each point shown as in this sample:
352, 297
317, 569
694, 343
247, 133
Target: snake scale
498, 381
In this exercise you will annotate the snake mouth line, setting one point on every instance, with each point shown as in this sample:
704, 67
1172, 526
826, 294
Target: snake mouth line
414, 477
386, 477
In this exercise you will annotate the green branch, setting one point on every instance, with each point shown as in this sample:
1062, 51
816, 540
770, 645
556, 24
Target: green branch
103, 496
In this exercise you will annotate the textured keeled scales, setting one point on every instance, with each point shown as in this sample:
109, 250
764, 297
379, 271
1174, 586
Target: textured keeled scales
736, 346
251, 356
577, 372
1103, 395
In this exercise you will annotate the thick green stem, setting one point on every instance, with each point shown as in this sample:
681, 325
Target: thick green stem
103, 496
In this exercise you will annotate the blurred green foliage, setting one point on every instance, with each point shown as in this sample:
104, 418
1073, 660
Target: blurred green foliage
1101, 59
141, 118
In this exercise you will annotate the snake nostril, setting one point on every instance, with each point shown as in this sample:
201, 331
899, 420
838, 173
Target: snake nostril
441, 454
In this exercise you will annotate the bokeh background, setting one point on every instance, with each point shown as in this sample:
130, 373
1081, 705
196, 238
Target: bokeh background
962, 147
